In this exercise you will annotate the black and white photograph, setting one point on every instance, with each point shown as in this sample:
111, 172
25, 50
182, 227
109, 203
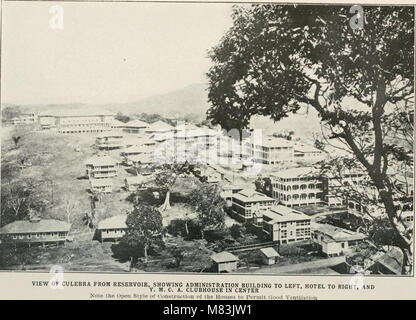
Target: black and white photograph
207, 138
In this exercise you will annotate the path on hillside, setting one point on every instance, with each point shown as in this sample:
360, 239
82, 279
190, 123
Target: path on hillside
299, 268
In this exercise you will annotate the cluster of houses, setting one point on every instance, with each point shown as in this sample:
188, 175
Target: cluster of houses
141, 144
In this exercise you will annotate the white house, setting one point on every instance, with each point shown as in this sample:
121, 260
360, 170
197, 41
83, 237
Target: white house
35, 231
112, 228
101, 166
101, 185
334, 241
285, 225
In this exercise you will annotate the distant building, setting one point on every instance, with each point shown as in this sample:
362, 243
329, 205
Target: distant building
308, 153
247, 203
159, 127
136, 183
77, 121
212, 175
269, 255
224, 262
297, 186
229, 190
286, 225
332, 184
35, 231
134, 151
47, 122
334, 241
272, 150
135, 126
24, 118
117, 125
101, 166
109, 140
101, 185
144, 159
112, 228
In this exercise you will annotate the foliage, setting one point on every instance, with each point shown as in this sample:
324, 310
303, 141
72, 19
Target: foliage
209, 206
276, 59
237, 231
18, 199
144, 232
186, 228
9, 112
264, 185
121, 117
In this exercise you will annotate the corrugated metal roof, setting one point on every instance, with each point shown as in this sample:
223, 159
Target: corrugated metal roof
26, 226
116, 222
297, 172
159, 126
101, 182
338, 234
281, 213
136, 124
248, 195
101, 160
270, 252
224, 256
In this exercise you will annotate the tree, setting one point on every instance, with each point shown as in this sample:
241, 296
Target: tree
121, 117
264, 185
144, 231
209, 206
236, 231
276, 59
16, 140
178, 254
167, 177
90, 219
70, 204
18, 199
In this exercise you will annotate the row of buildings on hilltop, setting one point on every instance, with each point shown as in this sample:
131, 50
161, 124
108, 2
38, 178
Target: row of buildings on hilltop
178, 140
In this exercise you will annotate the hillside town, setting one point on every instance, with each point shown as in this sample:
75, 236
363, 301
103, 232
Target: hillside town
279, 209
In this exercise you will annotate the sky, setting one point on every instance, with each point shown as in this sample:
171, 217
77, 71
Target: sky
106, 52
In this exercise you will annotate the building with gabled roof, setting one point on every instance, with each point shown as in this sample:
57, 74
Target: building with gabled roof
308, 153
159, 127
285, 225
109, 140
101, 166
333, 240
101, 185
269, 255
135, 126
41, 231
247, 204
224, 261
140, 159
112, 228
